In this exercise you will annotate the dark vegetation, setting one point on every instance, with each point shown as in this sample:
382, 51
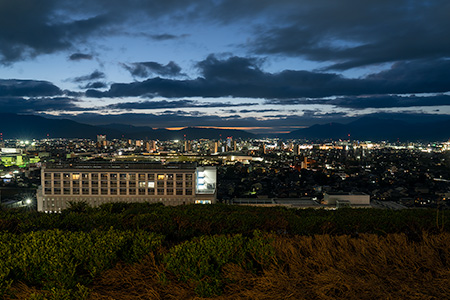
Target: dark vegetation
151, 251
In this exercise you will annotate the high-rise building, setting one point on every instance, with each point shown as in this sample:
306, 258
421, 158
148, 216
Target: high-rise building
101, 140
103, 182
150, 146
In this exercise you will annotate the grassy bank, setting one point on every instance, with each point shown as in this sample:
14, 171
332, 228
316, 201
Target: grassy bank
142, 251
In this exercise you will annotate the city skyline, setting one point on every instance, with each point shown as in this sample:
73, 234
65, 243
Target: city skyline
236, 64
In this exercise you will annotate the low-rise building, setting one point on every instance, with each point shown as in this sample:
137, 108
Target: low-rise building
346, 199
102, 182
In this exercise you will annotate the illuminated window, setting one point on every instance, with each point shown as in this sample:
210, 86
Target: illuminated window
151, 184
75, 176
142, 184
161, 176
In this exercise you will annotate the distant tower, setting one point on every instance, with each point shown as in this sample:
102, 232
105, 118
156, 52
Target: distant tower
101, 140
262, 148
187, 146
229, 141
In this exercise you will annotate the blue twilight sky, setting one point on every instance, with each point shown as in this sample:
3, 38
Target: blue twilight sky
273, 65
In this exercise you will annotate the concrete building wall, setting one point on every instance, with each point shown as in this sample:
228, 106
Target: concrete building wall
354, 199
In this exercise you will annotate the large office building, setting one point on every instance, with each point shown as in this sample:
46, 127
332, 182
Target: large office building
102, 182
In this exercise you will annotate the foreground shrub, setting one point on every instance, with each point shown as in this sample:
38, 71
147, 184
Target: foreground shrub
328, 267
58, 260
201, 260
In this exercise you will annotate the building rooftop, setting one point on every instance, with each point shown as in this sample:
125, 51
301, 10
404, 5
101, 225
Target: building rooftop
94, 165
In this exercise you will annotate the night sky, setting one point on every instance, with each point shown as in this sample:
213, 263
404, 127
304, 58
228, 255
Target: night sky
273, 65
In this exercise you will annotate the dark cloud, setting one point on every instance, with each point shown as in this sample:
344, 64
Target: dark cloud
41, 104
29, 28
96, 85
27, 88
346, 33
242, 77
352, 33
80, 56
93, 76
164, 36
171, 104
376, 101
145, 69
256, 110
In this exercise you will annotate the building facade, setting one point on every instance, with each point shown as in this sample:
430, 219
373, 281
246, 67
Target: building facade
103, 182
346, 199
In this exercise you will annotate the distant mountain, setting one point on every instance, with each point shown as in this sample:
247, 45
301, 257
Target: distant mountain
376, 129
190, 133
29, 126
